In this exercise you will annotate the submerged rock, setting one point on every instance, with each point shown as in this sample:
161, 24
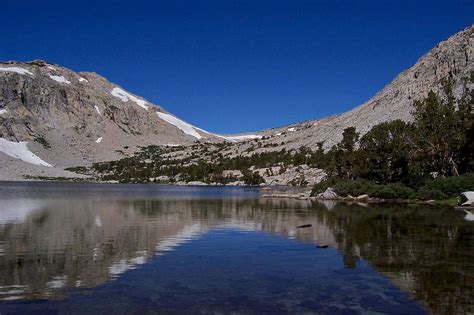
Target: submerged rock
304, 226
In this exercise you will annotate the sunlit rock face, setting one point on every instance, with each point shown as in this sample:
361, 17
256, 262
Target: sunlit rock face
451, 59
62, 114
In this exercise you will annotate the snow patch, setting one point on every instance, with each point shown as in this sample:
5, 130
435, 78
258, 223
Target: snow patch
3, 111
83, 80
125, 97
241, 137
52, 68
184, 126
99, 140
19, 150
97, 110
232, 138
59, 78
16, 70
192, 130
278, 134
291, 129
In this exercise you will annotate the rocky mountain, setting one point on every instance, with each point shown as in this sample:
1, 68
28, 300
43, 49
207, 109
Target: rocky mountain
452, 58
52, 118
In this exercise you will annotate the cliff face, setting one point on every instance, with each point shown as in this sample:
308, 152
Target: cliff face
71, 118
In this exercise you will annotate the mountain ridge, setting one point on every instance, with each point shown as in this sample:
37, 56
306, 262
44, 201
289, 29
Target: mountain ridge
83, 112
72, 118
397, 97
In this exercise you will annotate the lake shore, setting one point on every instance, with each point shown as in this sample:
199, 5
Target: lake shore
361, 199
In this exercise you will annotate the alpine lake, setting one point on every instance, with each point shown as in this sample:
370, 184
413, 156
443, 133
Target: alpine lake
70, 248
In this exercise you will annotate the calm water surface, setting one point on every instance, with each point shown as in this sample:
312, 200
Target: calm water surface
87, 248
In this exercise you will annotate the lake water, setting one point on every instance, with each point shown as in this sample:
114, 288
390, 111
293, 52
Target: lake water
121, 249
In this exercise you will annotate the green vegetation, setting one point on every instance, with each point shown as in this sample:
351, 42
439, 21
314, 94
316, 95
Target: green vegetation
55, 179
252, 178
77, 169
442, 188
431, 157
203, 165
41, 140
424, 159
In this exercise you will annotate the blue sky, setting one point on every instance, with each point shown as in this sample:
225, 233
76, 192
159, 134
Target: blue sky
235, 66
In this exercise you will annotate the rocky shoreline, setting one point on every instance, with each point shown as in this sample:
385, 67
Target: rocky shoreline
273, 191
365, 199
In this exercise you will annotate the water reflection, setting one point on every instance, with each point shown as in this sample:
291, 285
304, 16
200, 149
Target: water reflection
82, 236
469, 216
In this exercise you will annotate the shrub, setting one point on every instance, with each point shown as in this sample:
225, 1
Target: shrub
425, 193
438, 189
359, 187
252, 178
392, 191
41, 140
445, 187
353, 187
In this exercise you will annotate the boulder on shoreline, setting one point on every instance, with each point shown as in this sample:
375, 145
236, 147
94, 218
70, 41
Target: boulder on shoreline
362, 197
329, 193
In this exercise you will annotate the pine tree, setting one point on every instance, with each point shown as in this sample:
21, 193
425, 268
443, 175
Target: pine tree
384, 152
437, 134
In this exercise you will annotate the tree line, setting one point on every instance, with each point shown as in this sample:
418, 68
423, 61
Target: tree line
439, 142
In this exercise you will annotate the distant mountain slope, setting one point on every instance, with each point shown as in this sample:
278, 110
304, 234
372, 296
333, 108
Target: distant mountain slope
452, 58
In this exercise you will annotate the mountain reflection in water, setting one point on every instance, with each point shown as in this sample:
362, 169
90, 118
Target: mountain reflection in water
55, 238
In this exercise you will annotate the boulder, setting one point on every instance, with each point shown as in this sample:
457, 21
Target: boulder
196, 183
329, 193
362, 197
